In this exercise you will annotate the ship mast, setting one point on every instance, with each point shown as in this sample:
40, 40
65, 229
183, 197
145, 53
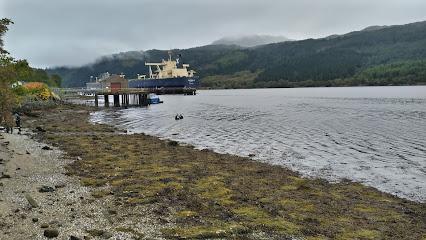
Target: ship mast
170, 55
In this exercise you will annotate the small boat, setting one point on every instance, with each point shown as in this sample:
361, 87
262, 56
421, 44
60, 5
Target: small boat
153, 98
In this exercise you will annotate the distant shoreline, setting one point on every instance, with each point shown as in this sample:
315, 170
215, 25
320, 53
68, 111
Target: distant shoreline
342, 86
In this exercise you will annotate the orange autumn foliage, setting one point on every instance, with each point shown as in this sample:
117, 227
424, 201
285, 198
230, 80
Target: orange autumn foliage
34, 85
39, 89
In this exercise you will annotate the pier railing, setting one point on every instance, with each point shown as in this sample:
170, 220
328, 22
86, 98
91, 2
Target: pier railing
85, 91
112, 91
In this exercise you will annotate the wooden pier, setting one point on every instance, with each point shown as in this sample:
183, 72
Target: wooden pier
128, 98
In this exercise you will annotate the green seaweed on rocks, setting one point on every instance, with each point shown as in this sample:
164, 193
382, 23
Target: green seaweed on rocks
214, 188
91, 182
348, 234
211, 229
259, 219
203, 194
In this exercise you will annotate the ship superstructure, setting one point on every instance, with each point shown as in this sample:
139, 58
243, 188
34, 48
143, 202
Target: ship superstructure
170, 68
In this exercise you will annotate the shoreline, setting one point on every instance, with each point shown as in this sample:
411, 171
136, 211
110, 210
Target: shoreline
180, 192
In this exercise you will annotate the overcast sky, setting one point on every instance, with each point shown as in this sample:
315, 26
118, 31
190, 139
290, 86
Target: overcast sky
75, 32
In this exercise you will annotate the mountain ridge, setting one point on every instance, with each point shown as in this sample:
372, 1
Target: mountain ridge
320, 61
250, 40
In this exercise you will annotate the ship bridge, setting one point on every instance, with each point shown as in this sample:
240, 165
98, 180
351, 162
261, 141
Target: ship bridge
170, 68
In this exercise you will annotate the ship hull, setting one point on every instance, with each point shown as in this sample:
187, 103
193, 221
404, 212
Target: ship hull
166, 83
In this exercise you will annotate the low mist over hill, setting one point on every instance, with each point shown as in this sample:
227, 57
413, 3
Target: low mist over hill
250, 40
392, 55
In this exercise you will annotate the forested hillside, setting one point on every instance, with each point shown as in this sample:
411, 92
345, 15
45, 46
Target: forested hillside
250, 40
394, 55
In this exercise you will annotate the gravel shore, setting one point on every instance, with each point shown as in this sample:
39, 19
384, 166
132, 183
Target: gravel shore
68, 179
34, 171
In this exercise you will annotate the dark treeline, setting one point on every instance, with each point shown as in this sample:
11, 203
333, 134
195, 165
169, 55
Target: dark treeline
367, 57
40, 75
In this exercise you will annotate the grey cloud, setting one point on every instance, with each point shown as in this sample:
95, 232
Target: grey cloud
51, 32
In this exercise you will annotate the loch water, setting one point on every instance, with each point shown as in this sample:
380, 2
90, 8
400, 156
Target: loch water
373, 135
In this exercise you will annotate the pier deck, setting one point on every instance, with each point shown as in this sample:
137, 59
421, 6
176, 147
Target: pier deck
121, 97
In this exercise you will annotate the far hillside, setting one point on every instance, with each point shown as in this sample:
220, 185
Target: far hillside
250, 41
392, 55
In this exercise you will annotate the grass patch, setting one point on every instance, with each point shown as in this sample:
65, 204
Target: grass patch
300, 205
211, 229
260, 218
379, 214
214, 188
359, 234
100, 194
93, 182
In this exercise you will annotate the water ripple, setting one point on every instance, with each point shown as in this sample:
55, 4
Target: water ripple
373, 135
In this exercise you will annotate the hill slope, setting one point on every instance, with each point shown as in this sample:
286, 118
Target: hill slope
351, 59
251, 40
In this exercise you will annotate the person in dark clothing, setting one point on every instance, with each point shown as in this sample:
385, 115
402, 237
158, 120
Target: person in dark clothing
18, 121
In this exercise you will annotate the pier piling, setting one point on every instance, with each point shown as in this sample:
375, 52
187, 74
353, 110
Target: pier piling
106, 98
116, 100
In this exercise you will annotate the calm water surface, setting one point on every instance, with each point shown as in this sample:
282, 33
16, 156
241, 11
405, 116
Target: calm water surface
374, 135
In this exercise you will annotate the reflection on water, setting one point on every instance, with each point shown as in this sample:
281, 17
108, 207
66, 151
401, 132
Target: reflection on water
375, 135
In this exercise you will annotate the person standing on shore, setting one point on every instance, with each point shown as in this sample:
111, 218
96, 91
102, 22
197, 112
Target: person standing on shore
18, 122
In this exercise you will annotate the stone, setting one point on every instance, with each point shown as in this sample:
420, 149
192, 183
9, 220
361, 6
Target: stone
46, 148
112, 212
3, 175
35, 220
74, 238
40, 129
44, 225
54, 223
46, 189
60, 185
51, 233
107, 235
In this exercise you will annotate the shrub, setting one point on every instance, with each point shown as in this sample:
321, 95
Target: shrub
38, 89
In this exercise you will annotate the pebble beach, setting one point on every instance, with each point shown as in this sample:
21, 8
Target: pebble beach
66, 178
